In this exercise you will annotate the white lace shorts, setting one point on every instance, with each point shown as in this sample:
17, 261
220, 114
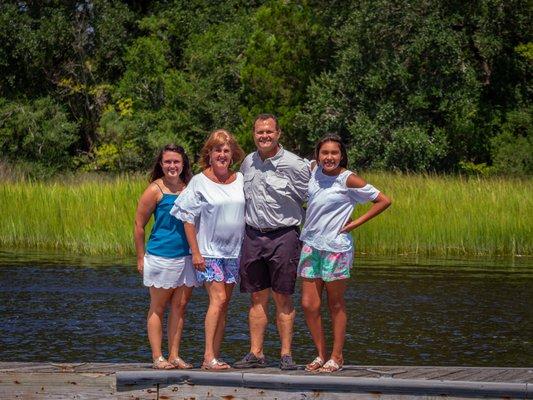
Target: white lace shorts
167, 273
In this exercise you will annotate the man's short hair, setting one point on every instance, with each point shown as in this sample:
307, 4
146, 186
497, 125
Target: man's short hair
264, 117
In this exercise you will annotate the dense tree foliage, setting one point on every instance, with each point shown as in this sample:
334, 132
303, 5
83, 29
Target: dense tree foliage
419, 85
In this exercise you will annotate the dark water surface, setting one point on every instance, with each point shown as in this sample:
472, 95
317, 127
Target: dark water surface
401, 311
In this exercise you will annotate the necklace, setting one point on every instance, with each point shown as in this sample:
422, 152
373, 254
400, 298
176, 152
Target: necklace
215, 178
173, 187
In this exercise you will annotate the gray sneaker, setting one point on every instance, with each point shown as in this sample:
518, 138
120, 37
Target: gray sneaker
286, 363
250, 360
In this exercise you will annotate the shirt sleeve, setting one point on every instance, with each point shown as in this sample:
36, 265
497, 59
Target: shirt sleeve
301, 180
245, 164
189, 204
363, 194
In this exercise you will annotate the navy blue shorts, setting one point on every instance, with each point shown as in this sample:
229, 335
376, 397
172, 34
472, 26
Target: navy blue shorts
270, 260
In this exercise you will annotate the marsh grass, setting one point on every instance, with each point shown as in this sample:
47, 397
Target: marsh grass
82, 215
430, 215
450, 215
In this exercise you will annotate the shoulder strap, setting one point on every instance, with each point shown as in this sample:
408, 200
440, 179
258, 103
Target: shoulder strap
159, 187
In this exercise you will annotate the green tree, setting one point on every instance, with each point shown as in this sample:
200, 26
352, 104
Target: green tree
429, 65
512, 149
283, 53
36, 132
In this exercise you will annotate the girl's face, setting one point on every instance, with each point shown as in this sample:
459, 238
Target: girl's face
329, 157
172, 164
220, 156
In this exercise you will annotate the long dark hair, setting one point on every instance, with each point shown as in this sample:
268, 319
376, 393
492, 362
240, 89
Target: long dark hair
157, 171
331, 137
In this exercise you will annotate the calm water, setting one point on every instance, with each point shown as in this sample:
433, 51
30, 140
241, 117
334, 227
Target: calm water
402, 311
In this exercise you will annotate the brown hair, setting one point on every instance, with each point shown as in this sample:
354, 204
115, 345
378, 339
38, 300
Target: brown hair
157, 170
264, 117
331, 137
220, 137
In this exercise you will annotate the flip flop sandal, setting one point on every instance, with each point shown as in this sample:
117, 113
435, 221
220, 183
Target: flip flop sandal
223, 364
314, 365
330, 366
162, 363
179, 363
215, 365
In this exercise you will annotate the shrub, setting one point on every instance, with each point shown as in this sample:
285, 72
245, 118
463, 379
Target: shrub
512, 150
36, 131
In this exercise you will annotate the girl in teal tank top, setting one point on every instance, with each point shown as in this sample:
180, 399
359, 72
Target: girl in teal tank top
165, 262
167, 238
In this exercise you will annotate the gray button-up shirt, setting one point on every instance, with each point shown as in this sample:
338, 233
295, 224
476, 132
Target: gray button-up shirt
275, 189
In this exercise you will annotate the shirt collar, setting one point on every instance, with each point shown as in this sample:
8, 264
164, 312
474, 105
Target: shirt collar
275, 159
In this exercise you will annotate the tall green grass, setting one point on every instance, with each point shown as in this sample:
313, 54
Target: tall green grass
434, 215
450, 215
84, 216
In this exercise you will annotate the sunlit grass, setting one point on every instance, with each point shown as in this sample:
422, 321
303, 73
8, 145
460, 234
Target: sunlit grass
434, 215
86, 216
450, 215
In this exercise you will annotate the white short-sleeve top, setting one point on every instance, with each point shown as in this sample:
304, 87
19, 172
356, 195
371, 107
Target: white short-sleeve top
217, 211
329, 206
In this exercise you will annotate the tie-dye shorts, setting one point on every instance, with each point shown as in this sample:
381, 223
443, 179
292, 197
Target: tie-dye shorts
326, 265
220, 270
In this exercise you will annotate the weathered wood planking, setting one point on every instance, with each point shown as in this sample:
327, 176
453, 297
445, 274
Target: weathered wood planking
38, 385
138, 381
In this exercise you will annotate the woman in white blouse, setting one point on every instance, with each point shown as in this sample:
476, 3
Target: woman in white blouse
212, 209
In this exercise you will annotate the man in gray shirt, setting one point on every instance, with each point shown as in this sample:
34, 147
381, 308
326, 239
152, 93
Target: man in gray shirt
275, 187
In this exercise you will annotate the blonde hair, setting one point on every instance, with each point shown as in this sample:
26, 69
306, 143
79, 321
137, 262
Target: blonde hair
220, 137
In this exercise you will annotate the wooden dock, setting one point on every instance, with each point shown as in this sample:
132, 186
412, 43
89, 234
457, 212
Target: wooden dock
20, 380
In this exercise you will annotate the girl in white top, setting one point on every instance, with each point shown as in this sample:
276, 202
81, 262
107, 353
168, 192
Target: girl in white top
212, 209
327, 253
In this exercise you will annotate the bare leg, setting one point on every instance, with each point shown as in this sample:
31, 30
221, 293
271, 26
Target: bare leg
284, 320
337, 310
178, 304
219, 334
258, 320
159, 298
311, 303
217, 303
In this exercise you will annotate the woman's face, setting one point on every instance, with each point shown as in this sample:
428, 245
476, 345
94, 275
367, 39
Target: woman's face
220, 156
329, 156
172, 164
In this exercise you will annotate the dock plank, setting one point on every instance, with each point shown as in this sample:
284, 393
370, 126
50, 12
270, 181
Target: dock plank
514, 375
38, 385
420, 372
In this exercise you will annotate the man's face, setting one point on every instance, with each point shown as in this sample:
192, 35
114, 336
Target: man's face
266, 136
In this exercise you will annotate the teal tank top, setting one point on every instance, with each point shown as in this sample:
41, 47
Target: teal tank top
167, 238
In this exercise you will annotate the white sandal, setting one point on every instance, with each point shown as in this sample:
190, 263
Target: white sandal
215, 365
179, 363
331, 366
162, 363
314, 365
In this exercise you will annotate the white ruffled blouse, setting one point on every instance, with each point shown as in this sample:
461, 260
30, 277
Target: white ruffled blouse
217, 211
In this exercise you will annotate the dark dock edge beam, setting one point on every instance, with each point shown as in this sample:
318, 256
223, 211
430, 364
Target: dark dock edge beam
131, 380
